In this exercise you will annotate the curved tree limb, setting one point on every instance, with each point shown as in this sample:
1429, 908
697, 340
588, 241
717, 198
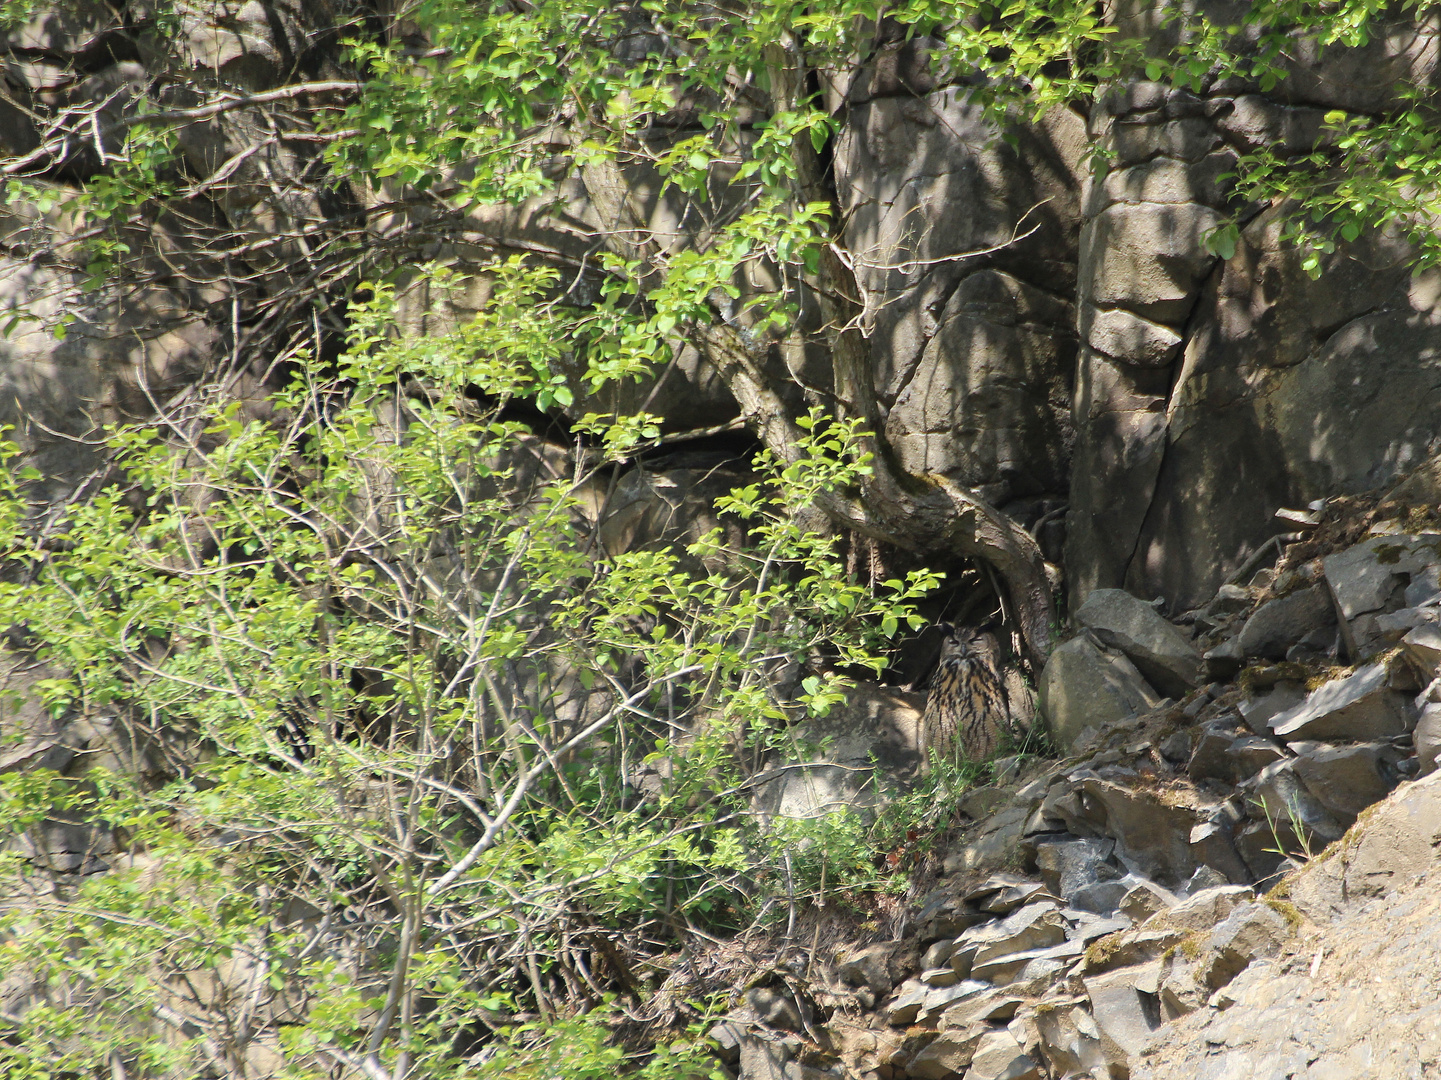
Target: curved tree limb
919, 514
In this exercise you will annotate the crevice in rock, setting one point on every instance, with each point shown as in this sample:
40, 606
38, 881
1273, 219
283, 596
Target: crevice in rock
1178, 364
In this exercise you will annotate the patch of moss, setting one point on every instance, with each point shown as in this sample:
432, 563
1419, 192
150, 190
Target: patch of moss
1287, 910
1389, 554
1264, 676
1099, 952
1320, 676
1193, 944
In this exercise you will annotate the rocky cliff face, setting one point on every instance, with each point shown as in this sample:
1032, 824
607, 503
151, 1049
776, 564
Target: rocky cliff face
1045, 322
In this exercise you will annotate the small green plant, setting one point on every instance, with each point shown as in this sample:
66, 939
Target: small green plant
1302, 847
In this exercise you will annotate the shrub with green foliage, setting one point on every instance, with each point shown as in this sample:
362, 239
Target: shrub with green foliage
396, 697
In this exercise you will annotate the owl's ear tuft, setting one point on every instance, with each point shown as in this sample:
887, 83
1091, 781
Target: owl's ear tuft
947, 629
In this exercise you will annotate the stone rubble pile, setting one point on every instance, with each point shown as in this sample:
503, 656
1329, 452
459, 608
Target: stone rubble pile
1094, 900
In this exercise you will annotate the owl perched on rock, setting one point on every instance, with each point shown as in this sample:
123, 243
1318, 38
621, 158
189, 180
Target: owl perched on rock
967, 707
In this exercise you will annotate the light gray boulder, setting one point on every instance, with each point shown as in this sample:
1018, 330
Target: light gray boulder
1160, 652
998, 1056
1071, 1041
1347, 779
1122, 1003
1083, 686
948, 1055
1278, 799
1362, 706
1252, 930
1035, 926
1267, 704
1378, 576
1069, 866
1146, 898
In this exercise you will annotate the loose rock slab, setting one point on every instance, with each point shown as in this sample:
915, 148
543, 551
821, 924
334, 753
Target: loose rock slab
1360, 707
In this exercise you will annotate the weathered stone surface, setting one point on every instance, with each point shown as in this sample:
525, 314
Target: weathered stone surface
1125, 1016
1364, 577
1146, 257
939, 999
1160, 652
1423, 648
1210, 754
999, 1057
1126, 950
1068, 866
1100, 898
877, 966
727, 1035
1137, 138
1165, 180
1258, 711
922, 179
944, 914
906, 1005
1361, 706
1084, 687
1127, 337
1152, 834
1204, 909
1287, 819
1043, 964
1035, 926
1214, 848
773, 1007
1146, 898
993, 1005
1014, 896
1250, 754
1071, 1041
993, 842
1347, 779
995, 354
1257, 121
948, 1055
763, 1059
1288, 390
937, 953
1250, 931
1428, 738
1278, 624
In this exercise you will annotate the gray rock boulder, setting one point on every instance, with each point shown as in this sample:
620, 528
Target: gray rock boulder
1277, 625
1347, 779
948, 1055
1362, 706
1035, 926
1379, 576
1252, 930
1160, 651
1122, 1003
1070, 866
1083, 686
1428, 738
998, 1056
